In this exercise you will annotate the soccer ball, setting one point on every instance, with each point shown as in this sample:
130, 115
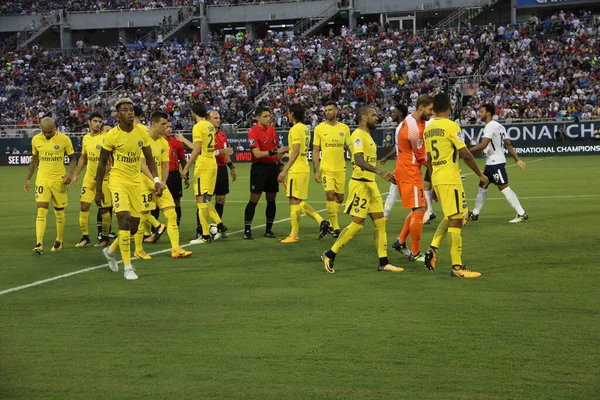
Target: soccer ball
213, 230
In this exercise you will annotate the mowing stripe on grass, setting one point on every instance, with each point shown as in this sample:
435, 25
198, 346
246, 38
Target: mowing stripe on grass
81, 271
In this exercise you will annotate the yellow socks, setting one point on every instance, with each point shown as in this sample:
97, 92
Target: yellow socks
295, 211
213, 214
40, 224
138, 238
380, 237
84, 218
114, 246
203, 214
346, 236
153, 221
60, 224
440, 233
455, 246
105, 223
172, 228
124, 243
333, 209
310, 211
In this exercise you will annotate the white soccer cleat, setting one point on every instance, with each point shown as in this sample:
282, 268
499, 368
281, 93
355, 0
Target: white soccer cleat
130, 274
112, 262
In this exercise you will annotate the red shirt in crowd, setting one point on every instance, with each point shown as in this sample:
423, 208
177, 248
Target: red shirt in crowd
264, 139
176, 153
220, 144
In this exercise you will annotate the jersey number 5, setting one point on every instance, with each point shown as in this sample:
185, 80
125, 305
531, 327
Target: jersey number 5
435, 149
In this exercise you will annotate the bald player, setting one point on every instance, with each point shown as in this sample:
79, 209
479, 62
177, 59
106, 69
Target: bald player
48, 150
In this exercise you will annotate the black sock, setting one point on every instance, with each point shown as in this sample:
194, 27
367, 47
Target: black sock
329, 253
219, 208
270, 213
155, 213
198, 224
111, 215
99, 222
249, 216
383, 261
178, 211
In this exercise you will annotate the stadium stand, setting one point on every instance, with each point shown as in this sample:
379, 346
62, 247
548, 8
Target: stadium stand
376, 67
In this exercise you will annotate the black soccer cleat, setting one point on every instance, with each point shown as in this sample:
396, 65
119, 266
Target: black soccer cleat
324, 229
112, 236
270, 235
473, 217
336, 233
248, 235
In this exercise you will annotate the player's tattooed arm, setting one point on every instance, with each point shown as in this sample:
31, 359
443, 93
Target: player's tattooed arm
360, 161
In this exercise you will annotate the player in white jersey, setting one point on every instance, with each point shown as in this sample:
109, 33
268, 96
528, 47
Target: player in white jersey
400, 112
495, 140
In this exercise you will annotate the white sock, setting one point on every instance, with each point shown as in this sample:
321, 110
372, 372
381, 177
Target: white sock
390, 200
429, 201
481, 197
513, 200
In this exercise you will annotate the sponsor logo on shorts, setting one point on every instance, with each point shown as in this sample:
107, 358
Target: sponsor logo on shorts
117, 205
253, 187
140, 143
147, 205
56, 147
357, 210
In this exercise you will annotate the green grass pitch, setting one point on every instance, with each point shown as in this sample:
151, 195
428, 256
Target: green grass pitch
263, 320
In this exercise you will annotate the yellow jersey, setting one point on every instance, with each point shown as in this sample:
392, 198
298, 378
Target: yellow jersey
362, 142
91, 145
51, 154
126, 148
205, 132
160, 154
300, 134
331, 140
443, 139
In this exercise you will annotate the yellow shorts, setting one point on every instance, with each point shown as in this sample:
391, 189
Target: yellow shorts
150, 200
297, 185
52, 191
335, 181
453, 200
126, 196
88, 192
205, 181
363, 199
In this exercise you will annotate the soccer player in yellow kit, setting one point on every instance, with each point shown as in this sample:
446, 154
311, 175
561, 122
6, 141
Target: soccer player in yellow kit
48, 150
90, 154
444, 142
205, 174
364, 197
298, 176
166, 203
331, 138
126, 142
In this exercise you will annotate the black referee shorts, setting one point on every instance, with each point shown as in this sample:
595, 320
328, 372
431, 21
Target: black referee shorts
174, 184
263, 178
222, 185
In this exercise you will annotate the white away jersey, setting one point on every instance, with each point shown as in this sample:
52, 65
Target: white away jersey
495, 148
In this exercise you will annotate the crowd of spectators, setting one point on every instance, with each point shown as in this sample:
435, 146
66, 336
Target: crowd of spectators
547, 68
38, 7
379, 67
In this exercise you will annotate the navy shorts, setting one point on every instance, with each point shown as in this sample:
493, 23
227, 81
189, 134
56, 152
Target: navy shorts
496, 174
427, 178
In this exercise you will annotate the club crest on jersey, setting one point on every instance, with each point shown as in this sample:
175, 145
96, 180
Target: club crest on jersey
173, 153
460, 136
56, 147
98, 147
357, 143
251, 141
162, 151
342, 134
140, 143
117, 205
419, 144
